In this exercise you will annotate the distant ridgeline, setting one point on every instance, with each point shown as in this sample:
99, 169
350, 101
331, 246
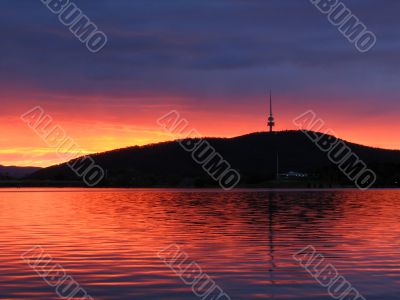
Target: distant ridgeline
7, 173
254, 156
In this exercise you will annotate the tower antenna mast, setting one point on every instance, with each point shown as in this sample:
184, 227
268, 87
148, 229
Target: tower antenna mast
271, 121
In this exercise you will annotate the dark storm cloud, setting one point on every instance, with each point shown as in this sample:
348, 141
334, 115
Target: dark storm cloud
199, 49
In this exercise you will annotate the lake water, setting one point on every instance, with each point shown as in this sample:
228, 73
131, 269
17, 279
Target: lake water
108, 241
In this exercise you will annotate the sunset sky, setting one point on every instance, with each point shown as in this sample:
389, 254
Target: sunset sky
211, 60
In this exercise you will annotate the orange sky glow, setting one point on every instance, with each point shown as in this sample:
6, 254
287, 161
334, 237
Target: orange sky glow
99, 127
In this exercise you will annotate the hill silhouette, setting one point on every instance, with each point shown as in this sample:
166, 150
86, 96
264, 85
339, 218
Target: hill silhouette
254, 156
9, 172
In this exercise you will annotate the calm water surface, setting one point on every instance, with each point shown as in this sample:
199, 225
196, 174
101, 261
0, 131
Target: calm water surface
108, 240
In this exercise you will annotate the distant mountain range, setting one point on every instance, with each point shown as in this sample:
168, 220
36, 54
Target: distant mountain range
16, 172
254, 156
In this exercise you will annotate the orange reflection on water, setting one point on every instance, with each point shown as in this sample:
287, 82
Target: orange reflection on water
108, 240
